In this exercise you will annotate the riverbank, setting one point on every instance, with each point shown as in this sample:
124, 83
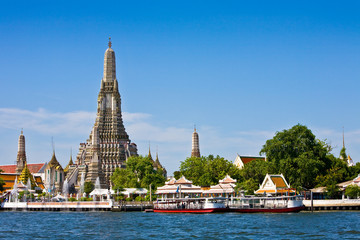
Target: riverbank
332, 204
77, 206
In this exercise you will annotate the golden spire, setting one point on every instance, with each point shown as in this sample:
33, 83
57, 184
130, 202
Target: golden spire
25, 174
109, 42
150, 152
343, 138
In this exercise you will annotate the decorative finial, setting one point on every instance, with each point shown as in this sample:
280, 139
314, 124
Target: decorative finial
22, 131
194, 127
109, 42
53, 144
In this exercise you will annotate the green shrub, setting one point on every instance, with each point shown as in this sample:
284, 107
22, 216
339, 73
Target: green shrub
353, 191
72, 199
139, 199
147, 198
129, 199
119, 198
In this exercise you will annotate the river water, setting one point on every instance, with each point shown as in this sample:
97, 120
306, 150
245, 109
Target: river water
141, 225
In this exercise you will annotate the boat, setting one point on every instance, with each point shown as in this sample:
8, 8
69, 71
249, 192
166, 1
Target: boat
266, 204
191, 205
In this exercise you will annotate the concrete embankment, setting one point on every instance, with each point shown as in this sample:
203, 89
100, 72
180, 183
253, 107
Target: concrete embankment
57, 206
333, 204
77, 206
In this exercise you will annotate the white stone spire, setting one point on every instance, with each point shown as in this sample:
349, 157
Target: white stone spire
21, 155
195, 152
109, 64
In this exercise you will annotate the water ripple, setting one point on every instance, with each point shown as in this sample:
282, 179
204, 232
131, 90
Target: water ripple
140, 225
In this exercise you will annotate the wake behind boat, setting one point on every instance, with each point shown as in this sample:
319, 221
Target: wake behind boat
191, 205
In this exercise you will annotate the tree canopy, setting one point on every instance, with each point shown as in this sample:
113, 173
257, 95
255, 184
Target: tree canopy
88, 187
139, 172
206, 171
305, 161
298, 155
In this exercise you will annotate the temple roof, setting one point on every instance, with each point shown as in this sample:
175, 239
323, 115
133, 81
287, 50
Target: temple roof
34, 168
25, 175
247, 159
278, 181
183, 180
54, 163
69, 164
228, 179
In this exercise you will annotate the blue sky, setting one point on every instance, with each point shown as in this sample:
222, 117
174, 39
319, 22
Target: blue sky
240, 71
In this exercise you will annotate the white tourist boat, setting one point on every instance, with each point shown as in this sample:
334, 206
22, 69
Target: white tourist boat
272, 204
191, 205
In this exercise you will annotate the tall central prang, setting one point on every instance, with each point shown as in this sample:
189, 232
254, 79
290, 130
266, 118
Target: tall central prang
108, 146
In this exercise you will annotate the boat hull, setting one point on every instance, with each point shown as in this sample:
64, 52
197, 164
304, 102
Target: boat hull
208, 210
268, 210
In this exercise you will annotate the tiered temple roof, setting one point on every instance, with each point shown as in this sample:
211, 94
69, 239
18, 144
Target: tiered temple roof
274, 184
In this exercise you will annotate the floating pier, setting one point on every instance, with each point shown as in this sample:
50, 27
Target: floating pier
332, 205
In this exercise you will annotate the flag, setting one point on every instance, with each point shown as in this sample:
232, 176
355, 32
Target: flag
177, 190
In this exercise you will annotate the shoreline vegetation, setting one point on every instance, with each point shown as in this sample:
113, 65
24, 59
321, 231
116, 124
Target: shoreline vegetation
305, 161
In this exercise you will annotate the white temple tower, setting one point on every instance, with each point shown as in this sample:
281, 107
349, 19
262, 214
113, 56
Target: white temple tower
108, 146
21, 155
195, 152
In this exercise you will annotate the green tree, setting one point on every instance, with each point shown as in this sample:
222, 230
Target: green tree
88, 187
139, 172
177, 174
354, 171
330, 180
353, 191
298, 155
206, 171
249, 186
123, 178
343, 155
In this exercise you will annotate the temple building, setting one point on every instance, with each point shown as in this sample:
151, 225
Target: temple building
54, 175
275, 185
241, 161
22, 169
156, 164
108, 146
195, 152
344, 156
21, 156
179, 188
